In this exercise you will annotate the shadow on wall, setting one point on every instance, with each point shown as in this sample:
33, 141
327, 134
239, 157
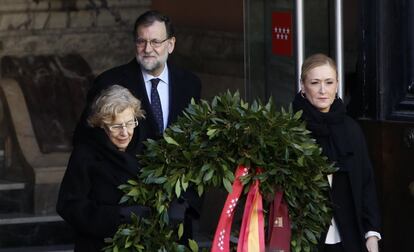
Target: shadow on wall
55, 90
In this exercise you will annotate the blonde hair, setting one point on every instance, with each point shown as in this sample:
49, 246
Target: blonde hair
110, 103
316, 60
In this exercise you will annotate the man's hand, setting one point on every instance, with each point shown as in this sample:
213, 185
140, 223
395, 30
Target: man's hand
372, 244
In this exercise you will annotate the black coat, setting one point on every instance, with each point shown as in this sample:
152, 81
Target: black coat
89, 197
363, 194
183, 86
353, 191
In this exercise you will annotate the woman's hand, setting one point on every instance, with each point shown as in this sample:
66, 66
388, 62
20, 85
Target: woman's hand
372, 244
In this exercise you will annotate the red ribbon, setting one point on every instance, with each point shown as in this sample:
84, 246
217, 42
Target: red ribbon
279, 225
252, 230
221, 242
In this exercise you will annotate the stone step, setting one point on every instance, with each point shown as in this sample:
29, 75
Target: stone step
51, 248
14, 197
9, 185
18, 230
10, 219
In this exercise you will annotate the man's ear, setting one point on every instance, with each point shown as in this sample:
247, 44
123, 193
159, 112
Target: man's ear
171, 45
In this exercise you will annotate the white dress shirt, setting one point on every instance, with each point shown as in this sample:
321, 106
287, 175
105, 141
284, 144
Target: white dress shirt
163, 91
332, 237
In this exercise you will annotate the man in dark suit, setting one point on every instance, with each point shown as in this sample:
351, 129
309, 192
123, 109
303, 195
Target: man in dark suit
162, 103
163, 89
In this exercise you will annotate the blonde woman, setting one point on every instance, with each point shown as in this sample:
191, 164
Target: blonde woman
356, 219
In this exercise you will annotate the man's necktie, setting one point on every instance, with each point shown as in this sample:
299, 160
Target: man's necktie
156, 105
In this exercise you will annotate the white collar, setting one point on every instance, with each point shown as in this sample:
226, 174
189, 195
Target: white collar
163, 76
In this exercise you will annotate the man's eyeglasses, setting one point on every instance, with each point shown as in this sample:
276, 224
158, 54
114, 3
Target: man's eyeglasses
117, 128
154, 43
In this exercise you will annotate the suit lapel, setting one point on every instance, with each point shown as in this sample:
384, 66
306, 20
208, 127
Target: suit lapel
135, 82
134, 77
174, 95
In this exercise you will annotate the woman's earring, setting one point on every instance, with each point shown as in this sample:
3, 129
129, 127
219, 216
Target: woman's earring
302, 94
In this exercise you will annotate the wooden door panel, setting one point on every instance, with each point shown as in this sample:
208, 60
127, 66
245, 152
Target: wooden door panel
393, 161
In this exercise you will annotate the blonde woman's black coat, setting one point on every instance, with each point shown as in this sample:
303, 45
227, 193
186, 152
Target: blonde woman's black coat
353, 191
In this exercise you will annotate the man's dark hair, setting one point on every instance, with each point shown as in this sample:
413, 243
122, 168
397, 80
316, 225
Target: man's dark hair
149, 17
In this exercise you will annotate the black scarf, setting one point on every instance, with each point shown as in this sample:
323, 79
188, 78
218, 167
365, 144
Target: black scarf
327, 128
120, 160
331, 134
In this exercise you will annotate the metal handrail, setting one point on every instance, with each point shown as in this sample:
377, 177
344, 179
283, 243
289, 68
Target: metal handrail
300, 42
339, 47
300, 39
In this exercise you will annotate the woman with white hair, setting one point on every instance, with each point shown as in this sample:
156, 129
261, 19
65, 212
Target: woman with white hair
89, 195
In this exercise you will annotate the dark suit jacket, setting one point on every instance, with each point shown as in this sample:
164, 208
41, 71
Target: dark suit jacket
183, 86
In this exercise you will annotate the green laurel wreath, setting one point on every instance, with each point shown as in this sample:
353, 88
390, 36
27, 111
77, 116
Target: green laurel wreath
203, 149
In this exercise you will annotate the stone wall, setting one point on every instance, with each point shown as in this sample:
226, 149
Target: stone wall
100, 31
